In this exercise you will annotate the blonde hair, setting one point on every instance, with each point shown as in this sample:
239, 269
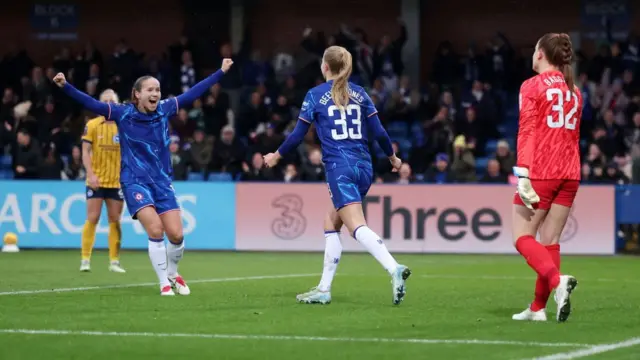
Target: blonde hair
339, 61
113, 94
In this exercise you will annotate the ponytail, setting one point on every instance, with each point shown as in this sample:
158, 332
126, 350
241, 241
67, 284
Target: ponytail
340, 86
567, 71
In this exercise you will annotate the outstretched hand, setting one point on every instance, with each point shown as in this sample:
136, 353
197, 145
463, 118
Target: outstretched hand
226, 64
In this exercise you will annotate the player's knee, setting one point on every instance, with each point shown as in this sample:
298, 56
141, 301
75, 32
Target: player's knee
155, 230
175, 236
93, 217
114, 217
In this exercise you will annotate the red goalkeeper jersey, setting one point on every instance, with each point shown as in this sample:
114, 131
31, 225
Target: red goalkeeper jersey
549, 128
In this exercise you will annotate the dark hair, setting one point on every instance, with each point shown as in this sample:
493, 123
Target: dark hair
559, 52
137, 86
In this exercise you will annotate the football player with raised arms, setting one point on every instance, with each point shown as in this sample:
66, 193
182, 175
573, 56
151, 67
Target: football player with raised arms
343, 114
146, 173
548, 171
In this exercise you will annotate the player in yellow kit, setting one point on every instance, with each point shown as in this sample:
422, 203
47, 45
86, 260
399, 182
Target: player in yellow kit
101, 159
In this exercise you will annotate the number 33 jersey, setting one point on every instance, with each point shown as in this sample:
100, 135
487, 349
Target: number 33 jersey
549, 128
342, 132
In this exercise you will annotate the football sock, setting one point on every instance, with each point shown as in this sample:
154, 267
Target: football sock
374, 244
158, 256
539, 259
88, 239
115, 239
332, 253
542, 291
174, 254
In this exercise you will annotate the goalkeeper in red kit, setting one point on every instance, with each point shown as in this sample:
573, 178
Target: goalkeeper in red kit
548, 171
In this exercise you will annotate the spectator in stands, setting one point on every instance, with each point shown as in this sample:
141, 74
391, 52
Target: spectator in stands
505, 157
439, 173
187, 72
313, 168
493, 175
291, 174
252, 115
74, 169
51, 166
215, 110
178, 161
257, 171
405, 176
586, 173
463, 166
614, 176
269, 140
387, 59
595, 157
228, 153
182, 125
27, 157
199, 152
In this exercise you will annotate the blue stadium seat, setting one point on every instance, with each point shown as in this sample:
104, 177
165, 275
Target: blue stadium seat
491, 146
220, 177
195, 176
481, 164
6, 174
5, 162
417, 134
398, 129
405, 146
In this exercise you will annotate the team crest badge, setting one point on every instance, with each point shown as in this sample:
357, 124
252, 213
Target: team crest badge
116, 139
138, 196
89, 193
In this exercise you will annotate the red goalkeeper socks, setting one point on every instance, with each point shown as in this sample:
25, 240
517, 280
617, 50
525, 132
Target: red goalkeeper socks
539, 259
543, 291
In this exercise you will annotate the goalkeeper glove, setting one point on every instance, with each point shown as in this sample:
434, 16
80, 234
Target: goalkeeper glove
525, 190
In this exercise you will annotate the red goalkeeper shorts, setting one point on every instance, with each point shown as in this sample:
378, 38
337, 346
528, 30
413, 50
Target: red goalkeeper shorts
561, 192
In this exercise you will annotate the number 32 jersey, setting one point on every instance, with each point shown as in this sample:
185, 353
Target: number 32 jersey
342, 132
549, 128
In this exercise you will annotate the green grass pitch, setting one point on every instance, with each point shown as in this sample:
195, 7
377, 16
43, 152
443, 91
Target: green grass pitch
243, 306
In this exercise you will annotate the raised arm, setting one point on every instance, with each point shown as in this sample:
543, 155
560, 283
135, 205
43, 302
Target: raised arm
200, 88
109, 111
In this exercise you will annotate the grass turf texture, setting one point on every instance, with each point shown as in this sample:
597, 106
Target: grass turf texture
459, 298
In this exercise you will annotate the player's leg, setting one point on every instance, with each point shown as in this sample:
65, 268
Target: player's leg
140, 204
347, 192
525, 228
169, 210
332, 253
115, 204
550, 235
94, 208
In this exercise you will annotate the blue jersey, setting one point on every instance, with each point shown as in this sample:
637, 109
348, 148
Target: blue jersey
342, 132
144, 142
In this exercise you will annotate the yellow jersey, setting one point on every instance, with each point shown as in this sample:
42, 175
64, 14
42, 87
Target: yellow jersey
105, 151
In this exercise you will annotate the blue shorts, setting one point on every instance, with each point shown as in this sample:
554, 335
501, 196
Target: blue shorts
348, 185
104, 193
159, 195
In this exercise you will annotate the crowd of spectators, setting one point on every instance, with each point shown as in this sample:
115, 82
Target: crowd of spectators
460, 127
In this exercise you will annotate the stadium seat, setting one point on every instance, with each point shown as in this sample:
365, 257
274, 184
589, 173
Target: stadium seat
397, 129
218, 177
491, 146
195, 176
5, 162
6, 174
405, 146
481, 164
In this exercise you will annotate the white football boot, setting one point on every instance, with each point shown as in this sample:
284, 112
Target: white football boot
166, 291
85, 265
179, 285
114, 266
530, 315
562, 296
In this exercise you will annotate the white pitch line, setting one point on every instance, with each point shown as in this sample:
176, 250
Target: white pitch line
285, 337
123, 286
593, 350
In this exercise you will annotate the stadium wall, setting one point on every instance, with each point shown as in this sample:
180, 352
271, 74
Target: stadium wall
288, 217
